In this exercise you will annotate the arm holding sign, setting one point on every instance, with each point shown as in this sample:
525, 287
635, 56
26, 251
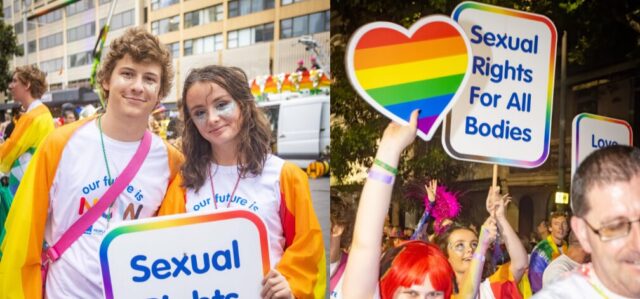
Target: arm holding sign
302, 263
362, 272
519, 258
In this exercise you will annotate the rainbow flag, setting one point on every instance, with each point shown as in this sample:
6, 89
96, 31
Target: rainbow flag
270, 85
286, 84
403, 74
255, 89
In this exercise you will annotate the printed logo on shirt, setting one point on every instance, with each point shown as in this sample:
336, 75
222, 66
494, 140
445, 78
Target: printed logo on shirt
223, 200
131, 212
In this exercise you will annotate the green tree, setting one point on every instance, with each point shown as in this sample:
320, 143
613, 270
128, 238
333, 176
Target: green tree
593, 27
8, 48
356, 127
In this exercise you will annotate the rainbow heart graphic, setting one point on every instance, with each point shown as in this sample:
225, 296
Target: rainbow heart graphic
398, 70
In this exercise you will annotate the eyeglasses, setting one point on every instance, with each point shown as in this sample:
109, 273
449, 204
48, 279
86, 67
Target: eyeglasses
459, 247
612, 230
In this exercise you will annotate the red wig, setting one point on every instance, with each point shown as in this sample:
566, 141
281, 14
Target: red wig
410, 264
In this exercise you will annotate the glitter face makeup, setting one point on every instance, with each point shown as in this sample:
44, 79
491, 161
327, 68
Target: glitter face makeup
215, 113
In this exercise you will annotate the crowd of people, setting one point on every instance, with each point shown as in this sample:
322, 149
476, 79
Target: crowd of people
592, 252
224, 155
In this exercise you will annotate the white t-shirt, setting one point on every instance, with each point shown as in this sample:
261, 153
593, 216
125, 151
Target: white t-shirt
259, 194
558, 266
80, 180
580, 283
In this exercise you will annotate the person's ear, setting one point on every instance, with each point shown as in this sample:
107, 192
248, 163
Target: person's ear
337, 230
105, 85
579, 228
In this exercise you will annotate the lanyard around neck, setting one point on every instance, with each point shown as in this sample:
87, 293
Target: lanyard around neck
213, 191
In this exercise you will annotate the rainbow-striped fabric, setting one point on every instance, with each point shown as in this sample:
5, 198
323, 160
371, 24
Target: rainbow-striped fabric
16, 152
541, 256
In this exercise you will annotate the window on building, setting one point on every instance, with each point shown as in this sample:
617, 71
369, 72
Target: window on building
19, 29
219, 12
245, 7
78, 7
82, 31
51, 66
304, 25
157, 4
121, 20
51, 41
201, 45
7, 12
51, 17
165, 25
31, 46
79, 83
16, 5
79, 59
203, 16
249, 36
287, 2
104, 1
57, 86
174, 49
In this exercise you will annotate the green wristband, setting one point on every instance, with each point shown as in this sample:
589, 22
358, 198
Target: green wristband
386, 166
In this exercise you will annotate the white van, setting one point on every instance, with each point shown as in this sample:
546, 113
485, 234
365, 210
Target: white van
300, 127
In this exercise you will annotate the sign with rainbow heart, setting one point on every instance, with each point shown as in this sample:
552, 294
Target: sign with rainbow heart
504, 114
196, 255
398, 70
591, 132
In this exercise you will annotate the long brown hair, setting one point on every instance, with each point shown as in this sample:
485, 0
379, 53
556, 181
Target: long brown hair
254, 136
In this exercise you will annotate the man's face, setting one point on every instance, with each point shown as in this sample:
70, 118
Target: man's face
134, 88
559, 228
18, 90
617, 261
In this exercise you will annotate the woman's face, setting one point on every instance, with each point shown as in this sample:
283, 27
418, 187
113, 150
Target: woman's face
462, 244
424, 290
215, 113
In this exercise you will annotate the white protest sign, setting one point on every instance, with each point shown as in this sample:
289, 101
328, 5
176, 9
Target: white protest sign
197, 255
504, 113
591, 132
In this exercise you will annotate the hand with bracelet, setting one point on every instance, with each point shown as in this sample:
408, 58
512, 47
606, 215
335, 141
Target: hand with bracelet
361, 274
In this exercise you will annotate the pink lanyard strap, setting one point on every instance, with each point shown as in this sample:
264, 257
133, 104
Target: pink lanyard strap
78, 228
213, 191
336, 277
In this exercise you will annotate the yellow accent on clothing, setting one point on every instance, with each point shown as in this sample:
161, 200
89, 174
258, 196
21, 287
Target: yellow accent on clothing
20, 275
30, 131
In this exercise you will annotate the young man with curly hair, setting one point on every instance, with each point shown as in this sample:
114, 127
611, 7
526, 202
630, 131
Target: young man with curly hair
75, 166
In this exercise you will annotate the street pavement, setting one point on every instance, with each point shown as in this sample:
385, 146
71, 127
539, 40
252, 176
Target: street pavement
320, 197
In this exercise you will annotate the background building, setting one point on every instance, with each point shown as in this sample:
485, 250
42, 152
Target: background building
260, 36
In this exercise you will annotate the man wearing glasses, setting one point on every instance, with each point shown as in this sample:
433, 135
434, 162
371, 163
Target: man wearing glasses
605, 199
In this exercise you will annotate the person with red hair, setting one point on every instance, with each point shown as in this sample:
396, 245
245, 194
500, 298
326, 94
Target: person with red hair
415, 263
415, 269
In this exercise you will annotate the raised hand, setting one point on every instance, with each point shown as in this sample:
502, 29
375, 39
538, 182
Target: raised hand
397, 136
488, 231
431, 188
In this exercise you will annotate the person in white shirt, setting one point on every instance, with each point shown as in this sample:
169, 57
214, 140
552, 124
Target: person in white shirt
605, 199
574, 256
77, 163
342, 217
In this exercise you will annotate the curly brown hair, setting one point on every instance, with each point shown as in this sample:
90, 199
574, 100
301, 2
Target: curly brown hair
36, 79
343, 213
143, 47
254, 136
